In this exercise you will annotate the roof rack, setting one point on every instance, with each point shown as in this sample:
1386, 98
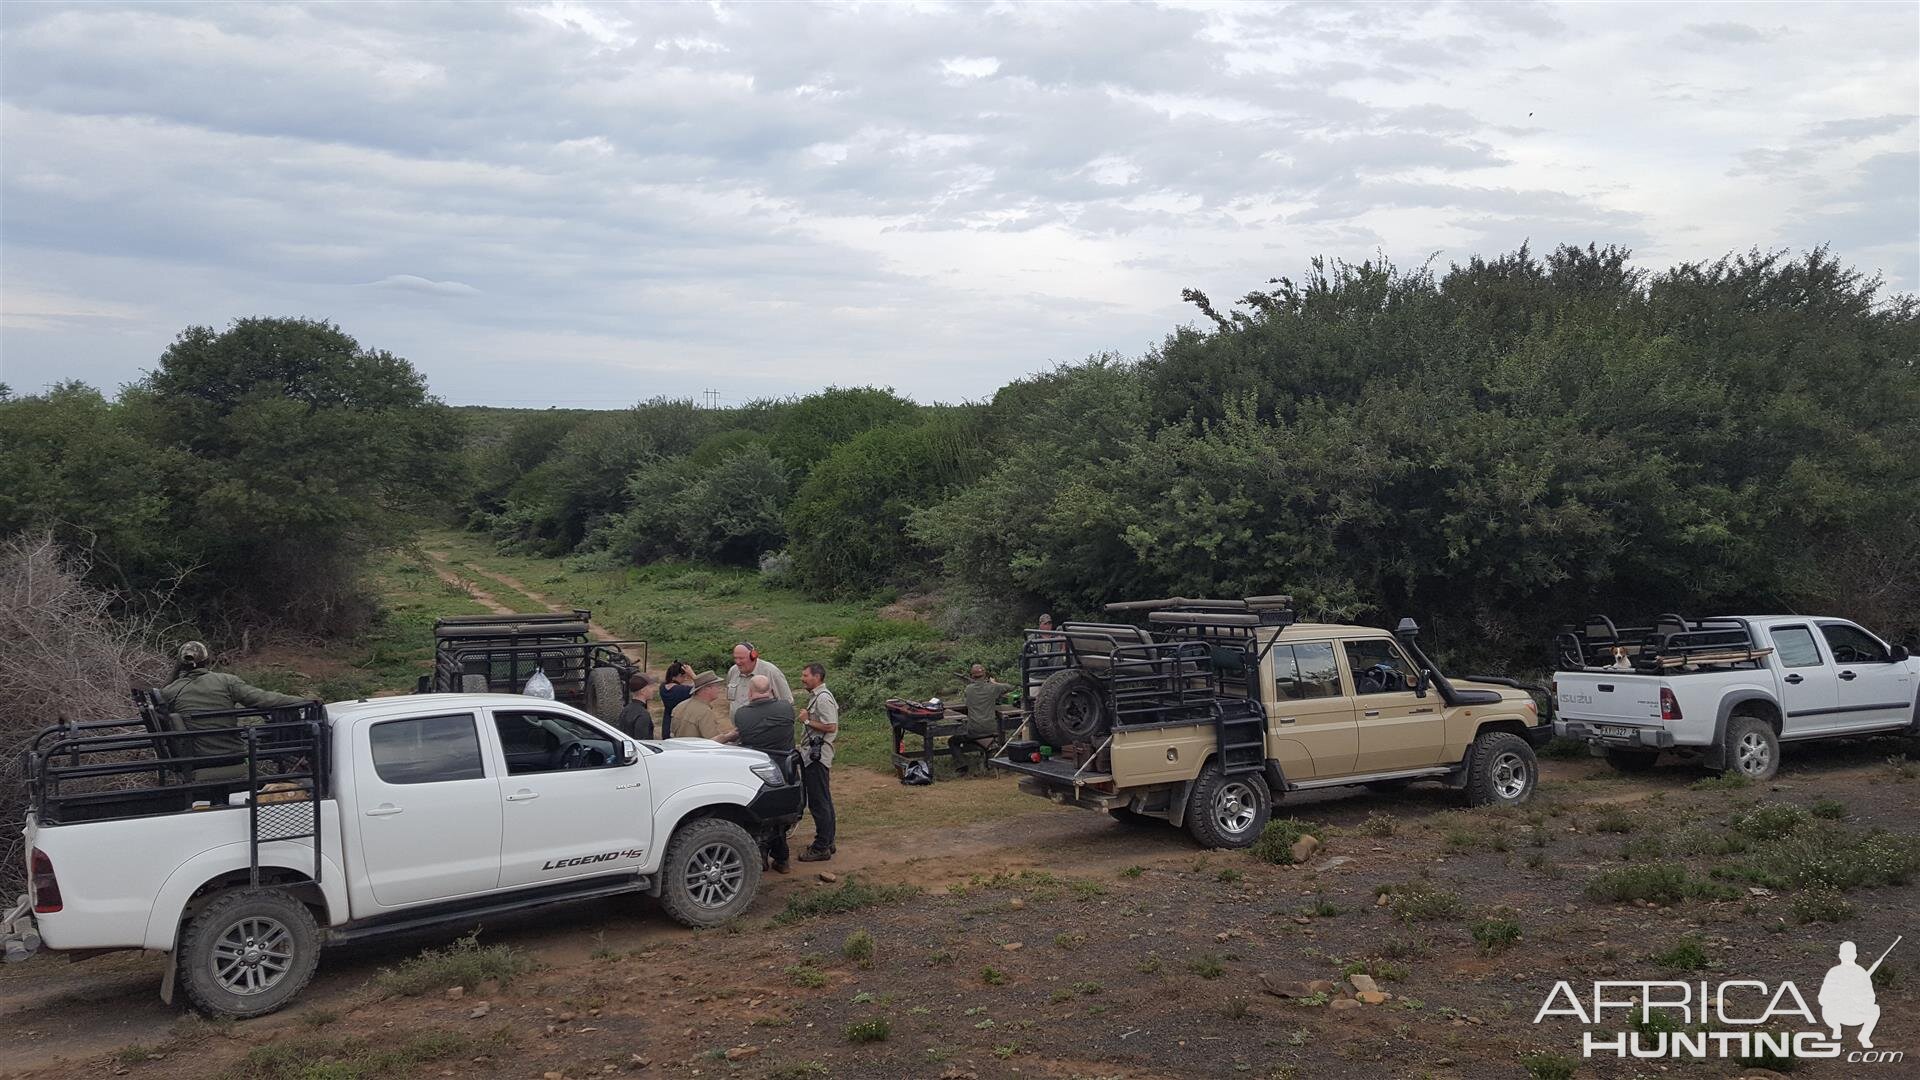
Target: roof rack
1250, 610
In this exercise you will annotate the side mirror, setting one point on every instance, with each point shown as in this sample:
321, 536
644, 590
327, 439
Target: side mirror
629, 751
1418, 683
1900, 653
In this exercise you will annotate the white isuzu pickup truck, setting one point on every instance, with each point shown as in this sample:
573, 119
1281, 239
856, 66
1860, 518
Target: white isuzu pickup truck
1729, 690
241, 851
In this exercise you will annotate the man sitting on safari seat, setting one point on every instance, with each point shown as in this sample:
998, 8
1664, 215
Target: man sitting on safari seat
197, 689
982, 699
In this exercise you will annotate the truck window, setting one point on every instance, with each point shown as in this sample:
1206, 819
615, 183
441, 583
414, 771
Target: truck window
1378, 666
1852, 645
426, 750
537, 742
1305, 671
1795, 646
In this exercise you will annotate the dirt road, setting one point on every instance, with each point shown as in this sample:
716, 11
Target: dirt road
1046, 942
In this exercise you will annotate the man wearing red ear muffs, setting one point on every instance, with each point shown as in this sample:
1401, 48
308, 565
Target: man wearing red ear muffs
747, 664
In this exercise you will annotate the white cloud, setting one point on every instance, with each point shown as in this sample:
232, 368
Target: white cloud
416, 284
776, 197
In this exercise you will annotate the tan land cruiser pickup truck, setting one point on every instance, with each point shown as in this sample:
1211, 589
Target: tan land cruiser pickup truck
1214, 708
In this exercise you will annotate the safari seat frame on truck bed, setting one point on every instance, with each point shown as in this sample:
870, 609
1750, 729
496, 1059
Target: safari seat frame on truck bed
152, 764
1671, 643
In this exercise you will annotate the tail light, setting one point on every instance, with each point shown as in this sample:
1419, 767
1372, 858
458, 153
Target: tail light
1669, 705
46, 887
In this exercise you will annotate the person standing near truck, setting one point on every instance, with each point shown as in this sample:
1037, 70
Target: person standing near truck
704, 714
765, 723
746, 665
677, 688
196, 688
636, 719
822, 720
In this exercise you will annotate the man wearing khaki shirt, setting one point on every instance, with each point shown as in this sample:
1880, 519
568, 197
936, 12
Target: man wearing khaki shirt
704, 715
822, 719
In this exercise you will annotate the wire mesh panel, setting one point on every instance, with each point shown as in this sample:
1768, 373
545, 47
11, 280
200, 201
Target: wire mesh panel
286, 820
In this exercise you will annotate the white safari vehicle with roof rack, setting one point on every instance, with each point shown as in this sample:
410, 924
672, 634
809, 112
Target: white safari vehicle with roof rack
1215, 708
1728, 690
241, 850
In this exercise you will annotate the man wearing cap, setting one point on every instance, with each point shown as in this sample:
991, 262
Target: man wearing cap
822, 719
196, 688
765, 723
747, 664
704, 715
636, 719
982, 697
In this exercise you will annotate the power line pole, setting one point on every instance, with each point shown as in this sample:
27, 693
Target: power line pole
712, 398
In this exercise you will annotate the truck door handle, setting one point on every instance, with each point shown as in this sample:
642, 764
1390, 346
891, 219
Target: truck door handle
523, 796
1427, 709
1848, 676
1288, 719
1373, 712
1794, 679
385, 810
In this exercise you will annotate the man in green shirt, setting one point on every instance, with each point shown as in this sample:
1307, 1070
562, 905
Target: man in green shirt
982, 700
198, 689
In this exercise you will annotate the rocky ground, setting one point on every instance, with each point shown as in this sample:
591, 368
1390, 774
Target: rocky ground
972, 932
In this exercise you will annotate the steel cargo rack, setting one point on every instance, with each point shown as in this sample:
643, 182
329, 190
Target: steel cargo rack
273, 763
1671, 643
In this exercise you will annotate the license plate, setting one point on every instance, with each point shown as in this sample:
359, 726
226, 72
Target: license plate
1616, 730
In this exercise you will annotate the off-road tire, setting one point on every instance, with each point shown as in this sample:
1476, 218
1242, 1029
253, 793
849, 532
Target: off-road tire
1501, 770
236, 920
1218, 798
1752, 748
1134, 819
695, 852
605, 696
474, 684
1633, 761
1070, 708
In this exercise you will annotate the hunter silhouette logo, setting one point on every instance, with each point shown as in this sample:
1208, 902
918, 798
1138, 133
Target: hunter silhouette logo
1731, 1019
1846, 995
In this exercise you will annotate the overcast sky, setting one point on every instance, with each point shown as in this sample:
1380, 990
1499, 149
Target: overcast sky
572, 204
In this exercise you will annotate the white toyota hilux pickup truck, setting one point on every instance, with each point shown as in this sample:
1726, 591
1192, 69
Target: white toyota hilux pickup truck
1728, 690
241, 851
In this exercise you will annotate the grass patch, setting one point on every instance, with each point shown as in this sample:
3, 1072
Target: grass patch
1379, 824
351, 1058
1771, 821
1821, 906
852, 895
1323, 908
1276, 841
1830, 857
1644, 847
1207, 966
1687, 954
1495, 934
1731, 781
806, 976
466, 962
873, 1030
1423, 901
1546, 1065
993, 976
1828, 809
1659, 883
858, 948
1613, 820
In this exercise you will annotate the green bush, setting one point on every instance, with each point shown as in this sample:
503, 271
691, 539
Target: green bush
1687, 954
466, 962
856, 636
852, 895
1821, 906
1496, 934
1423, 901
1275, 842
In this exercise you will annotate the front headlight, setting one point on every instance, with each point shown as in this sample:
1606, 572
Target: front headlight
770, 773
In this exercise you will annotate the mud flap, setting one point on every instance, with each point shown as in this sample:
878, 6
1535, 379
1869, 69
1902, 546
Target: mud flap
1177, 808
167, 979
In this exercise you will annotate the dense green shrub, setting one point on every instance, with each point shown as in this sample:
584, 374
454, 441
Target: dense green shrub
856, 636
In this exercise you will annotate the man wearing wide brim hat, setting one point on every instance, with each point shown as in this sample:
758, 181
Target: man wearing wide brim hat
704, 715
